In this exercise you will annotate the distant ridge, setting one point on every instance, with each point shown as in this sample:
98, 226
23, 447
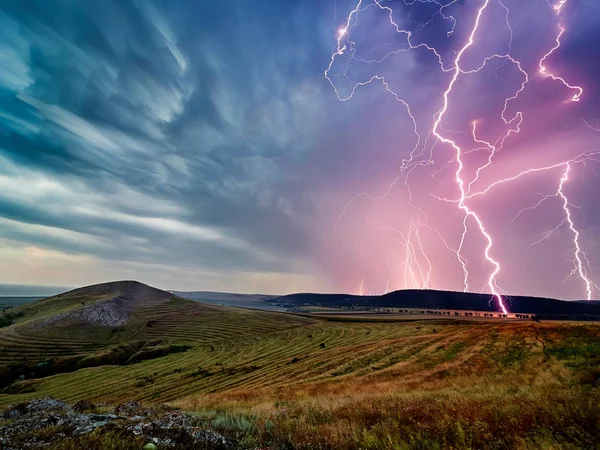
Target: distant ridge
433, 299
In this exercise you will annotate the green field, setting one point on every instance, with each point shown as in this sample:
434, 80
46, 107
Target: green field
292, 381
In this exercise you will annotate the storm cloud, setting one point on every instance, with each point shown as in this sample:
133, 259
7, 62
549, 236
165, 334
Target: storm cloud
197, 145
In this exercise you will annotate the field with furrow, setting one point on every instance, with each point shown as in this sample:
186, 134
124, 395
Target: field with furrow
320, 353
313, 382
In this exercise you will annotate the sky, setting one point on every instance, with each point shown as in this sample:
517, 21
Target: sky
308, 145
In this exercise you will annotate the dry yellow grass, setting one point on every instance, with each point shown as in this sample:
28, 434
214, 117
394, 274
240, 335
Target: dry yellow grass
320, 384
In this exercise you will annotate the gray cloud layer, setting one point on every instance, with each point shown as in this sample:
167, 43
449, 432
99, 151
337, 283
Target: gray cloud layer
149, 131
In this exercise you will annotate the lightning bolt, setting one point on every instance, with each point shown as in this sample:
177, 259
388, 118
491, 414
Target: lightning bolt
579, 255
459, 180
580, 258
416, 274
417, 265
543, 70
343, 47
361, 290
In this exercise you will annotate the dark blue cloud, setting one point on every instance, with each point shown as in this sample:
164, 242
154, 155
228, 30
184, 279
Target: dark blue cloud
202, 106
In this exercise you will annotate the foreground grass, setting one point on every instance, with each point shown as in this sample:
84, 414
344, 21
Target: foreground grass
420, 420
358, 385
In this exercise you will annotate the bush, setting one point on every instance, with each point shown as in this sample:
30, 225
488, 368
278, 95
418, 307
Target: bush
8, 318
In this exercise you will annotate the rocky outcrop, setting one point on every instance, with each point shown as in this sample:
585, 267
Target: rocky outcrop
161, 426
111, 313
112, 303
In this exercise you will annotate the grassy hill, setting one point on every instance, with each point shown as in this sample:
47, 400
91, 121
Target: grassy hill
287, 381
120, 298
64, 332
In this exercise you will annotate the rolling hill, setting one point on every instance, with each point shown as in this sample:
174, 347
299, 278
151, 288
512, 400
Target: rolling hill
107, 304
112, 322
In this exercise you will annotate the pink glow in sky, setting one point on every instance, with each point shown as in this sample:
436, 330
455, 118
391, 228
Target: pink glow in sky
497, 156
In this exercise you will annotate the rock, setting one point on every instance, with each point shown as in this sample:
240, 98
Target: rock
212, 438
83, 406
128, 409
161, 426
12, 412
48, 404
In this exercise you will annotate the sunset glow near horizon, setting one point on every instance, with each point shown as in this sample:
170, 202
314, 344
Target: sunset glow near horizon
360, 146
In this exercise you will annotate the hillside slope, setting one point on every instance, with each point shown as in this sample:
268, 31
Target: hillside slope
115, 323
108, 304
